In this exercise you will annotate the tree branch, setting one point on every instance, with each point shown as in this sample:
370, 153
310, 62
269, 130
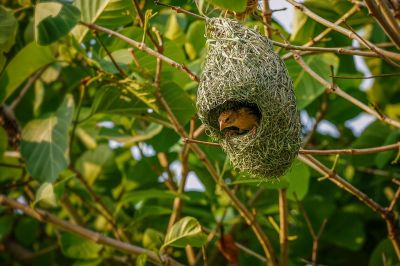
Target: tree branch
88, 234
283, 227
144, 48
346, 32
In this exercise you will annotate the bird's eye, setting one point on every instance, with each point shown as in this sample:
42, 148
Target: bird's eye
226, 120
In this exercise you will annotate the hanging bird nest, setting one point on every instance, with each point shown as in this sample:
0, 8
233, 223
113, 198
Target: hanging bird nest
242, 69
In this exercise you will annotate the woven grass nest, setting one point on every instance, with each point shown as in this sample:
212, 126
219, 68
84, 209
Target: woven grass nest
242, 69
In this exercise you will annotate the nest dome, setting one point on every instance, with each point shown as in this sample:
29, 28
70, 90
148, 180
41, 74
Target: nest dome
242, 69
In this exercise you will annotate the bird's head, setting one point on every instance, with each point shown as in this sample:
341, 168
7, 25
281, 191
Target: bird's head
226, 119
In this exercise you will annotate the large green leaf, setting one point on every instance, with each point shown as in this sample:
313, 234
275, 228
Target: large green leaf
116, 14
237, 5
195, 40
54, 20
31, 58
345, 230
3, 141
90, 12
142, 91
27, 231
44, 143
74, 246
6, 223
298, 178
187, 231
383, 254
181, 104
99, 165
112, 99
307, 89
8, 31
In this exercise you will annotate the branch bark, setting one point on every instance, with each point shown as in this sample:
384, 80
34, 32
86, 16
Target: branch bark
86, 233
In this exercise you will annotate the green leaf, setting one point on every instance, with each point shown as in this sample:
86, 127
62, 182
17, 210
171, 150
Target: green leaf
181, 104
74, 246
383, 254
150, 132
30, 59
44, 143
141, 260
27, 231
45, 193
142, 195
6, 222
307, 89
187, 231
142, 91
237, 5
112, 99
116, 14
152, 239
90, 12
373, 136
8, 31
299, 179
345, 230
99, 165
54, 20
195, 40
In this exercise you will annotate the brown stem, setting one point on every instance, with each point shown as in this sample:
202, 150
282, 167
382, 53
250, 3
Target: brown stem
267, 18
368, 77
109, 217
144, 48
141, 20
120, 70
384, 17
395, 146
86, 233
178, 9
320, 36
346, 32
27, 86
385, 213
336, 89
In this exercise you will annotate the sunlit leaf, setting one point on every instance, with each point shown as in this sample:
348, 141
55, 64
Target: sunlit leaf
54, 20
45, 143
45, 193
187, 231
237, 5
77, 247
31, 58
8, 31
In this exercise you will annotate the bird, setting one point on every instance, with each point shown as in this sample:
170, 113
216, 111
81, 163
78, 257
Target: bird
239, 121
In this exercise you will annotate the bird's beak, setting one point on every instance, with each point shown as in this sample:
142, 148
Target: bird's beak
222, 125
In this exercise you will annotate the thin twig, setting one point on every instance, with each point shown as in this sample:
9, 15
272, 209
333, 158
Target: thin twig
144, 48
315, 236
320, 36
386, 20
141, 19
178, 9
27, 86
267, 18
118, 232
336, 50
368, 77
387, 215
319, 152
88, 234
336, 89
323, 109
346, 32
395, 146
394, 200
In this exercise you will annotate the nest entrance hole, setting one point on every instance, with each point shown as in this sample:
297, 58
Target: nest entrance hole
214, 113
